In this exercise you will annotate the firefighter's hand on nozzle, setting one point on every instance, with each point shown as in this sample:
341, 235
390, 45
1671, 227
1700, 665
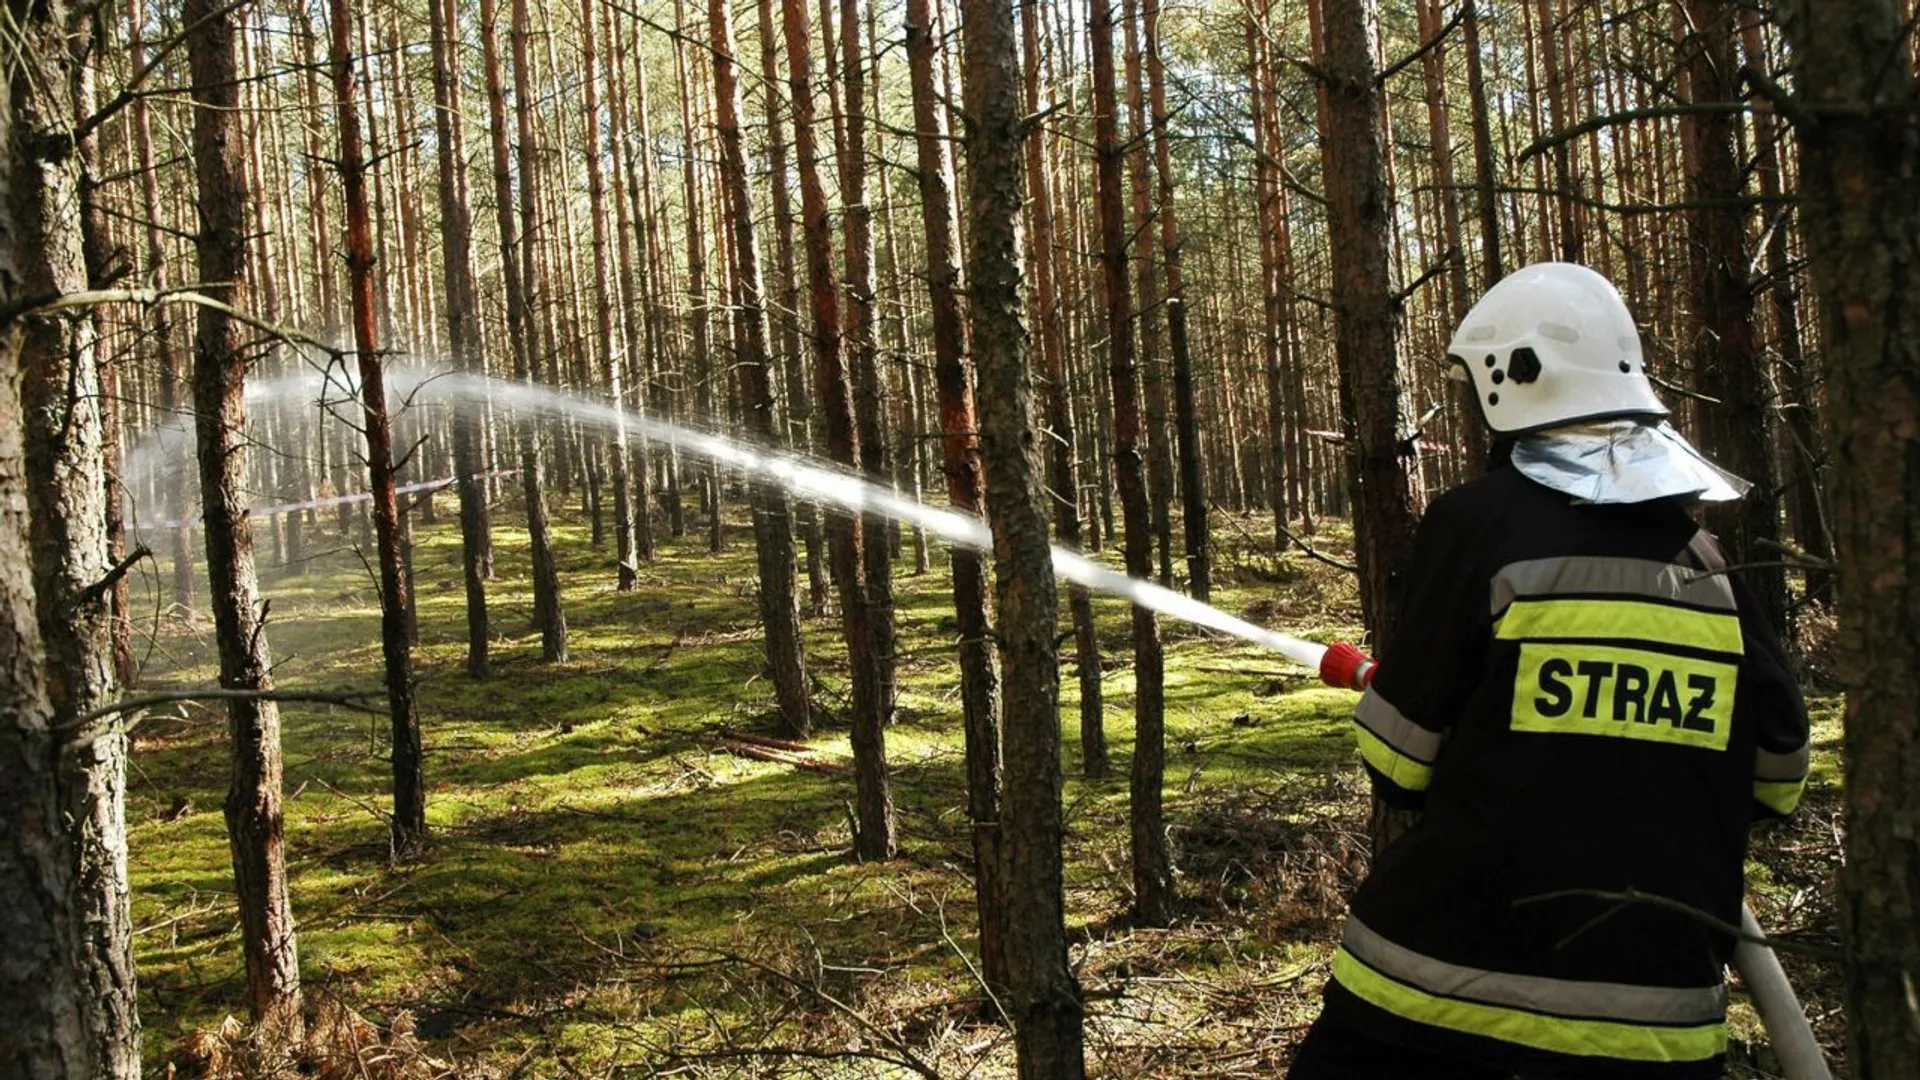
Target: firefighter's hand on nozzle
1346, 667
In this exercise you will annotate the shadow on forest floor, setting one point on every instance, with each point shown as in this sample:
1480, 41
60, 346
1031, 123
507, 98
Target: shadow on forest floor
609, 890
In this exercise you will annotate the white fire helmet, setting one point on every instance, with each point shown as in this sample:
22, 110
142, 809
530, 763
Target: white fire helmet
1550, 345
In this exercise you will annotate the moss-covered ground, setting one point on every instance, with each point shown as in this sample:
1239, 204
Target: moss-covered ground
609, 891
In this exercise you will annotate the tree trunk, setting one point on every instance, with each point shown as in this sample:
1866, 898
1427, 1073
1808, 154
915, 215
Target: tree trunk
654, 317
697, 302
1806, 507
408, 827
1370, 393
874, 825
772, 513
1738, 432
1270, 209
869, 409
1043, 996
66, 504
85, 42
960, 459
1859, 151
799, 402
1472, 440
171, 375
50, 1027
1193, 479
1152, 865
1146, 332
604, 288
255, 820
632, 368
463, 333
1486, 204
516, 258
1062, 466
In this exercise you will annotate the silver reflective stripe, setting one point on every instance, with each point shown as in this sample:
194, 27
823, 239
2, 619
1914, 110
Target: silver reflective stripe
1379, 716
1561, 997
1598, 575
1768, 765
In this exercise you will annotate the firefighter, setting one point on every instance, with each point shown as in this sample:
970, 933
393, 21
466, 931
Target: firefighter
1581, 700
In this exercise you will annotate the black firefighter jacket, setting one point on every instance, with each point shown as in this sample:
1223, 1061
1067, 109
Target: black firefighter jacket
1580, 704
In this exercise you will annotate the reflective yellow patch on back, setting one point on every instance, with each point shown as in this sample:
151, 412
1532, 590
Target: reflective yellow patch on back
1661, 624
1564, 689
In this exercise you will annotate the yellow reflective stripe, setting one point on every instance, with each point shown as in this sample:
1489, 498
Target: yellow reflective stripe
1779, 796
1567, 689
1559, 1035
1394, 765
1384, 719
1637, 620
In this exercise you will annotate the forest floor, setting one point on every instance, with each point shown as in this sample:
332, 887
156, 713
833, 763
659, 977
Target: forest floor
612, 890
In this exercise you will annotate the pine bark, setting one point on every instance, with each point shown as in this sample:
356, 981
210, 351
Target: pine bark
862, 341
1147, 321
654, 320
1062, 452
463, 332
632, 365
772, 512
101, 261
604, 288
1370, 388
699, 329
1486, 203
1186, 418
408, 827
1471, 432
966, 489
1152, 864
256, 826
799, 401
160, 325
1043, 995
515, 260
1737, 432
48, 1028
847, 537
1799, 372
66, 505
1860, 149
1270, 208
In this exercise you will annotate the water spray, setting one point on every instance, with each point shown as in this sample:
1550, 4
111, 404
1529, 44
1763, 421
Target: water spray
852, 493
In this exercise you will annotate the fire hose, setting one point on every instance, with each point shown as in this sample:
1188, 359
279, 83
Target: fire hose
1791, 1036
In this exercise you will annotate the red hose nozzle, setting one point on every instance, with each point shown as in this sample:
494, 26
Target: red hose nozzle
1346, 667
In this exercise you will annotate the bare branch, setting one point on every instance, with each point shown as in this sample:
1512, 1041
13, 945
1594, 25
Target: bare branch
347, 699
1426, 47
100, 588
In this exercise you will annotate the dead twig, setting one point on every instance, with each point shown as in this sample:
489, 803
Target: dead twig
100, 588
346, 699
1315, 554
